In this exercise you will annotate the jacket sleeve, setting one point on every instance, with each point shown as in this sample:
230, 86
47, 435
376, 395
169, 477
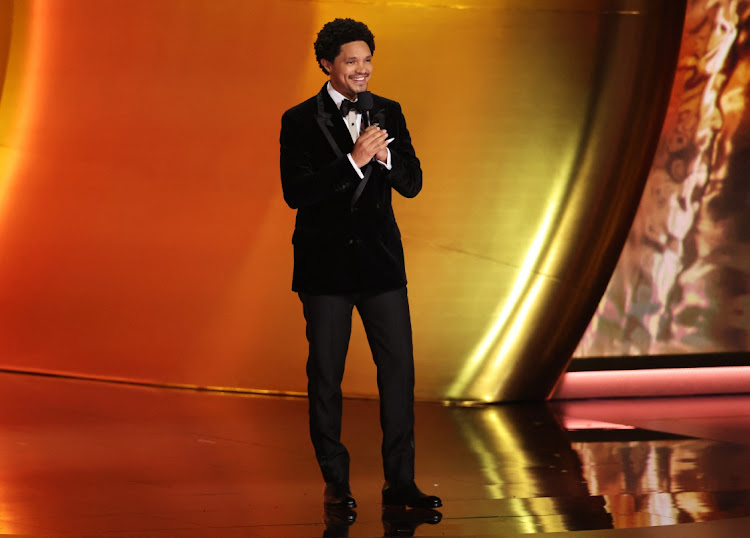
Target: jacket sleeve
304, 180
405, 175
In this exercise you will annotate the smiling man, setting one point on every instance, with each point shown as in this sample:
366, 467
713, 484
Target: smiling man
339, 167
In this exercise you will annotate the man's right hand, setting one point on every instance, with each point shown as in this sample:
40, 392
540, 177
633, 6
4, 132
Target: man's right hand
370, 142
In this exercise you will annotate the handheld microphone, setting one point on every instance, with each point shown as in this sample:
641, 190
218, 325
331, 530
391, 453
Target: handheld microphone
365, 104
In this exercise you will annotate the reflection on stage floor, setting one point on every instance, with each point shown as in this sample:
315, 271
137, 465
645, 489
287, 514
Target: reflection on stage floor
88, 458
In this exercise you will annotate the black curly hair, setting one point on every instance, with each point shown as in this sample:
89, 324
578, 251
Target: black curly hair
339, 32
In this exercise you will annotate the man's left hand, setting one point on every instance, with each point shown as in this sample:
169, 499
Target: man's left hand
382, 155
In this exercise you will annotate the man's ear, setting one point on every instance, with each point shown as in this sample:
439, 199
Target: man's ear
326, 65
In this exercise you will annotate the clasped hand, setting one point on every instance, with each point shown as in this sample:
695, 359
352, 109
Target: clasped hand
371, 143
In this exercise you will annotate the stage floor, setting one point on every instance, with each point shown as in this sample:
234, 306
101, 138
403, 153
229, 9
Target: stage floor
88, 458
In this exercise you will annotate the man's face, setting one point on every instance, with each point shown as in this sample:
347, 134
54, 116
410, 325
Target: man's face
351, 69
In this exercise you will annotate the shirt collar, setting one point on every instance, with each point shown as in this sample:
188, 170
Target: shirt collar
335, 95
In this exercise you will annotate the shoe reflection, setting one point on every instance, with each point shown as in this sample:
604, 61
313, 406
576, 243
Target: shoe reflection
403, 521
337, 520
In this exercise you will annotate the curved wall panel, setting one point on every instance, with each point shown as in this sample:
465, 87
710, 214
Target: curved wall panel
142, 231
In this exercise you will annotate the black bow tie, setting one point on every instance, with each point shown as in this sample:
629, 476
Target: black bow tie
347, 105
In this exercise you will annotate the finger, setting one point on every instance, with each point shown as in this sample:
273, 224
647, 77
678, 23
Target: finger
372, 142
375, 133
373, 130
376, 138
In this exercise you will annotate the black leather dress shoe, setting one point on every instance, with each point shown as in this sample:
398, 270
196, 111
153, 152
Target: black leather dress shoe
338, 495
408, 495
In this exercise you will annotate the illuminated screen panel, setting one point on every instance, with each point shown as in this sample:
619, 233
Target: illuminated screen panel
682, 285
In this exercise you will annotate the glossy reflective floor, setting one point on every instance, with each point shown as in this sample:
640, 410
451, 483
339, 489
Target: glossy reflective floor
86, 458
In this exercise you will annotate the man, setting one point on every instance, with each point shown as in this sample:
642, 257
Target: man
339, 175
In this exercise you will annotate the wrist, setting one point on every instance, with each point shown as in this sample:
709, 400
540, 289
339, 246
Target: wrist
360, 161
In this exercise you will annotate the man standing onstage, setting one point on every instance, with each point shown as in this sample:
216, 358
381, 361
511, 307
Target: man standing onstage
339, 166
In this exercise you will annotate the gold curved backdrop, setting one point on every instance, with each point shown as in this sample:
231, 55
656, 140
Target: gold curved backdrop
143, 235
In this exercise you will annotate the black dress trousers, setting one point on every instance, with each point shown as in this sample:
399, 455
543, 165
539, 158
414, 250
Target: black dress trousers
386, 320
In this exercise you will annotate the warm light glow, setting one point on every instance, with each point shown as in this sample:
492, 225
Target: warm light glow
17, 92
484, 365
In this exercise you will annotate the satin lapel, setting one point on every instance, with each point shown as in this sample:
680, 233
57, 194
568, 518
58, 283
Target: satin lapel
332, 125
375, 117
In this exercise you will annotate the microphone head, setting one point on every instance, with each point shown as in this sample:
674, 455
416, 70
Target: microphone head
364, 101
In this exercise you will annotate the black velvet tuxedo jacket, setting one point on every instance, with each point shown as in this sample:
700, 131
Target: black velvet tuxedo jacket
344, 241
